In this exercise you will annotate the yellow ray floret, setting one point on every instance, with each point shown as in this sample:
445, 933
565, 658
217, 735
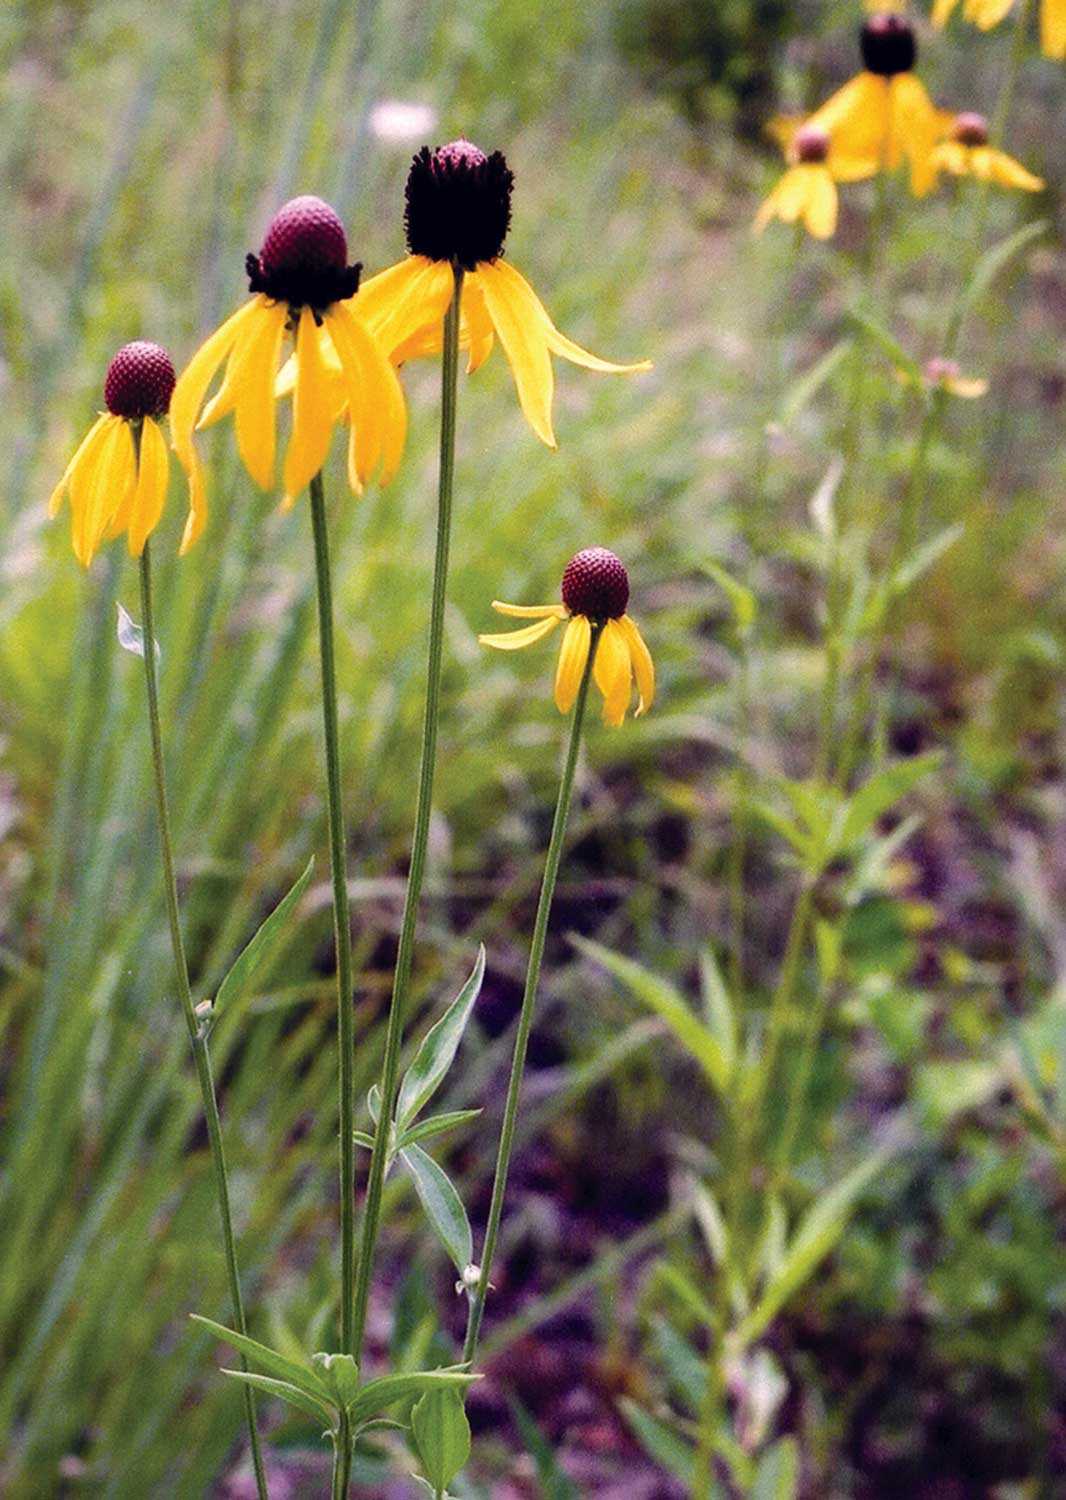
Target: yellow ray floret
807, 194
111, 489
985, 163
621, 656
988, 13
877, 124
337, 368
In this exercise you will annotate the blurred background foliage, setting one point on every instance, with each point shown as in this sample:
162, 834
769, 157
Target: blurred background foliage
144, 151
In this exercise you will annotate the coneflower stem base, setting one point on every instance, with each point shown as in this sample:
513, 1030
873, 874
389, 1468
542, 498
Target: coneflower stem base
525, 1015
423, 809
341, 920
197, 1031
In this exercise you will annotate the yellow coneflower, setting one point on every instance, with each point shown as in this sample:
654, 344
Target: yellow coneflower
807, 192
884, 116
458, 213
301, 284
595, 593
985, 14
968, 154
117, 479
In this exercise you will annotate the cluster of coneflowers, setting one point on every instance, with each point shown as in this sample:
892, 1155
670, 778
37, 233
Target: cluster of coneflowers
346, 340
883, 118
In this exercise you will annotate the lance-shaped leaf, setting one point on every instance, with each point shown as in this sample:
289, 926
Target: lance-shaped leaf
443, 1206
268, 1359
741, 599
441, 1434
310, 1405
262, 945
999, 257
439, 1046
435, 1125
378, 1395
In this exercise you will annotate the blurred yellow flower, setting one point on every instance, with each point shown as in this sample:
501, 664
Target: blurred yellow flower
884, 116
301, 285
945, 374
968, 154
807, 192
117, 479
458, 213
595, 593
988, 13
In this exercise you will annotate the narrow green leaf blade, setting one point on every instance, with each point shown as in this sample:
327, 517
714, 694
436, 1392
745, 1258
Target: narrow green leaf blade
443, 1206
718, 1008
268, 1359
998, 257
669, 1005
803, 391
262, 945
741, 599
426, 1130
286, 1392
439, 1046
777, 1477
890, 347
660, 1442
441, 1434
880, 793
377, 1395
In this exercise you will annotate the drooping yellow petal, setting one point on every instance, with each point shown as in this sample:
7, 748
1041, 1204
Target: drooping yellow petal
375, 398
478, 325
406, 300
151, 493
256, 407
1053, 28
82, 453
312, 409
969, 387
286, 381
514, 640
805, 191
856, 119
523, 295
951, 156
517, 321
986, 13
613, 672
820, 215
643, 666
914, 130
573, 656
942, 10
530, 611
996, 166
108, 482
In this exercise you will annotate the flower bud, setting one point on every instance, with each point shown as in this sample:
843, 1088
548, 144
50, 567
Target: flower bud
139, 381
596, 584
970, 129
458, 204
811, 143
303, 259
888, 44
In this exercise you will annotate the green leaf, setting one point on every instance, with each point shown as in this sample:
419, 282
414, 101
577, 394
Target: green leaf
818, 1231
443, 1206
686, 1369
670, 1006
270, 1360
777, 1477
925, 557
441, 1435
553, 1483
377, 1395
439, 1046
803, 391
340, 1374
718, 1008
883, 790
890, 347
998, 258
262, 945
436, 1125
660, 1442
791, 832
742, 601
286, 1392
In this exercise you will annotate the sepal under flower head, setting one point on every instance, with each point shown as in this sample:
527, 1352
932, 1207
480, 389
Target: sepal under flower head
595, 592
304, 257
458, 204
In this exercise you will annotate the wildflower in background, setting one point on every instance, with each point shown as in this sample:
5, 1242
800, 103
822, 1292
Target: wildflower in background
117, 479
302, 285
968, 154
884, 116
807, 191
985, 14
458, 213
945, 374
595, 593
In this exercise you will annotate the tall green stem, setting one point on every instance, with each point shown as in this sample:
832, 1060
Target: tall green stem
423, 808
197, 1031
342, 1460
341, 919
529, 998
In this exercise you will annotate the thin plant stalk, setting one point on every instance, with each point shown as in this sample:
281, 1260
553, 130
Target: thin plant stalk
423, 809
529, 998
342, 932
198, 1031
342, 1460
